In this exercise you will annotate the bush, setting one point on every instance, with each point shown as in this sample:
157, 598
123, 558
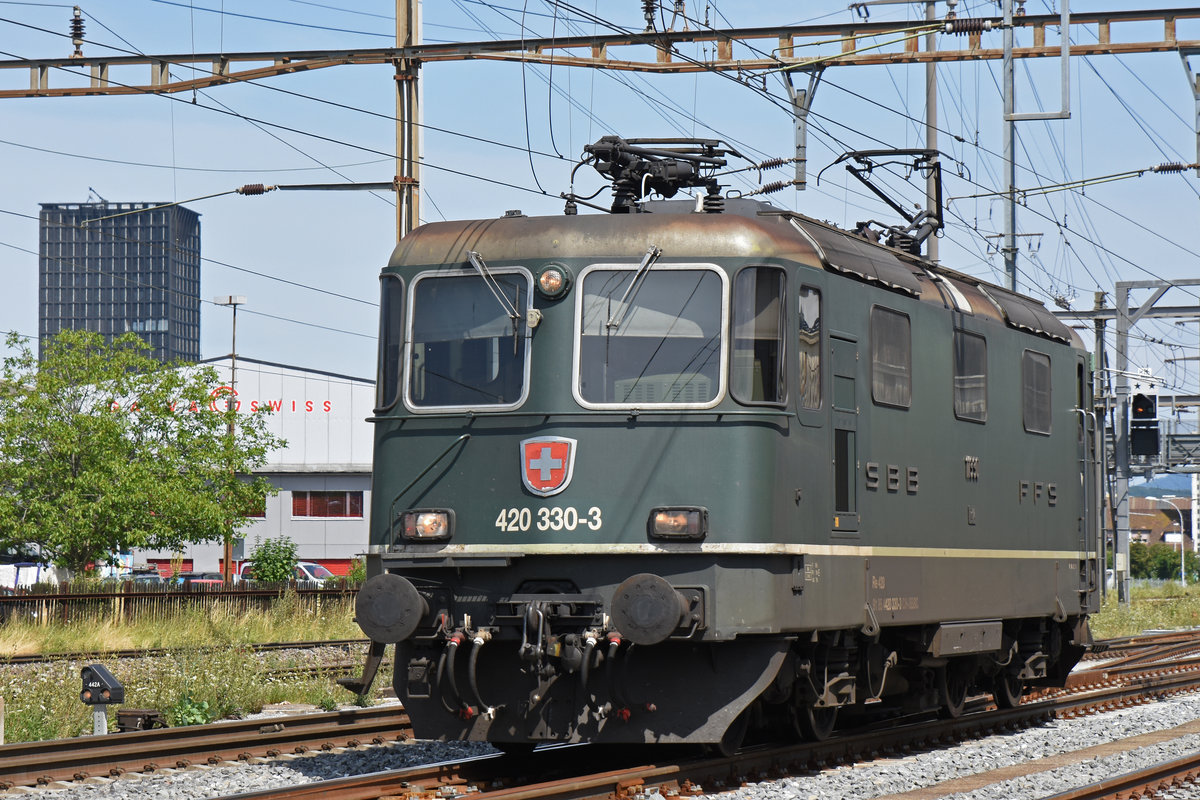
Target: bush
358, 571
274, 560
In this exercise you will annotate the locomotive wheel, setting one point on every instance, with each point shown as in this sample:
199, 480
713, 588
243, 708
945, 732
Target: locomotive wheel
1007, 689
953, 682
815, 724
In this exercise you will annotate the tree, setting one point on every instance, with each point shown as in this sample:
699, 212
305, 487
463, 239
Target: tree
103, 449
1139, 560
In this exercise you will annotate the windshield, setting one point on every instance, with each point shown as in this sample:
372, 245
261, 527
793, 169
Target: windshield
465, 350
661, 347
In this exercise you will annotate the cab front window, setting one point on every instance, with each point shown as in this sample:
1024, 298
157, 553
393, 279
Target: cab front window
466, 349
650, 337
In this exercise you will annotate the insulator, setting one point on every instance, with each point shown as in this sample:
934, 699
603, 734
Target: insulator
774, 186
772, 163
252, 188
77, 31
1172, 166
967, 25
648, 9
713, 204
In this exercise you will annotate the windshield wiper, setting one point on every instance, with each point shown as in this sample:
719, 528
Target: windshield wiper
493, 285
497, 291
618, 316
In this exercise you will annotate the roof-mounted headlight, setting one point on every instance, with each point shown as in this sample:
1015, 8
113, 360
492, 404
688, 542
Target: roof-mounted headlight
553, 281
429, 525
687, 524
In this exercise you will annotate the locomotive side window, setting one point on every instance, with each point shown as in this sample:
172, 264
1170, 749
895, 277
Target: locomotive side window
1035, 391
891, 358
970, 376
810, 347
650, 337
465, 350
391, 340
758, 374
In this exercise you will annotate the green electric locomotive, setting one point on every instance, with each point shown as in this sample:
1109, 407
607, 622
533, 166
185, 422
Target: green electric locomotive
667, 473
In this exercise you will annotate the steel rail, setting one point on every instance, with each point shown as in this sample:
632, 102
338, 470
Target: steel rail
1148, 782
29, 763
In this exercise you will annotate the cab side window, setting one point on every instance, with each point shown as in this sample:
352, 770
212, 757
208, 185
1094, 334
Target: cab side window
1035, 391
758, 374
970, 376
891, 358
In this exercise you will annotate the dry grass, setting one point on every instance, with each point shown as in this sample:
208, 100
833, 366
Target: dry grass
1165, 607
210, 672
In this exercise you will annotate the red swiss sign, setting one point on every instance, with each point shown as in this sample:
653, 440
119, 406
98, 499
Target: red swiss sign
547, 463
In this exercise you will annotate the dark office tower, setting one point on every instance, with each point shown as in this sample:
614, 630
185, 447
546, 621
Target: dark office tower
118, 267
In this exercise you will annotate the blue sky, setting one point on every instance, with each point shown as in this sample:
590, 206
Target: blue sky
1128, 113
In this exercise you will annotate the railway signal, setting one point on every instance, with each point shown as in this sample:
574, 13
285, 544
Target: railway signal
1143, 425
100, 689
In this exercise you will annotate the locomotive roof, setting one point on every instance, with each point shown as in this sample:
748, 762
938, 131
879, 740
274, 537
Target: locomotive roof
748, 229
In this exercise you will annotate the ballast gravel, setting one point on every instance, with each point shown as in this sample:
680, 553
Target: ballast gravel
854, 782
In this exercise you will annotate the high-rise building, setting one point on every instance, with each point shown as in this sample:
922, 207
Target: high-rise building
119, 267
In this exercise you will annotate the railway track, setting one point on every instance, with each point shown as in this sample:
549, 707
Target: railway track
47, 762
1115, 683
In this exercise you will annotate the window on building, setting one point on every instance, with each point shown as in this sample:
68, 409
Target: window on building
1035, 391
258, 508
970, 376
891, 358
758, 374
327, 504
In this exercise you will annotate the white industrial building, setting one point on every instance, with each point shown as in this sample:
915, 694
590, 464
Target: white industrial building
323, 473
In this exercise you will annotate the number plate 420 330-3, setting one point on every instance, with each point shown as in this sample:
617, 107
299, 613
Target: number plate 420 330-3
551, 518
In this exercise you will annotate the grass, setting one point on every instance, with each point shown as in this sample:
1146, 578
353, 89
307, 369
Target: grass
209, 674
1168, 606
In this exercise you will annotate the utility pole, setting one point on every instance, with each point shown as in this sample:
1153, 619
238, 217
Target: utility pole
931, 181
1009, 248
233, 300
408, 120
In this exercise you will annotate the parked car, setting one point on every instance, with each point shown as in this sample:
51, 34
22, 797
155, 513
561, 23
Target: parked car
311, 574
189, 579
306, 574
147, 579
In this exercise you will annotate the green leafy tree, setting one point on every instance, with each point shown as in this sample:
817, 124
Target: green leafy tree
274, 560
103, 449
1139, 560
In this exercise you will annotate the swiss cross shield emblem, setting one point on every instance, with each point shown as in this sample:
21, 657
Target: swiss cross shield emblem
547, 463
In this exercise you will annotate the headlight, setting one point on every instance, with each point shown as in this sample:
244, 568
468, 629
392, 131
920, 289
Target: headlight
426, 526
553, 281
684, 524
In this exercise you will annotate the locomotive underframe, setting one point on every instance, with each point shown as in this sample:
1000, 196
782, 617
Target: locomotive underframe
523, 649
